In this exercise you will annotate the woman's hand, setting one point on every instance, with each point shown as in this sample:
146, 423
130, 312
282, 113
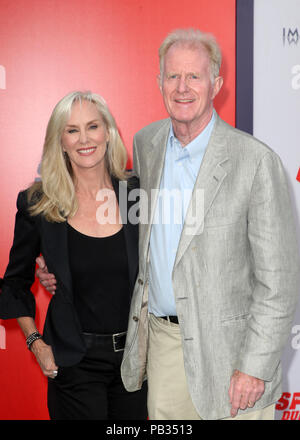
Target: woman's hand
39, 348
45, 358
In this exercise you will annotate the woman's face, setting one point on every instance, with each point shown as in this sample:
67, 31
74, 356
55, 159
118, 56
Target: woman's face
85, 136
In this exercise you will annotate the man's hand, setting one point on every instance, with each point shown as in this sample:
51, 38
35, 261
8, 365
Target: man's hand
46, 279
244, 391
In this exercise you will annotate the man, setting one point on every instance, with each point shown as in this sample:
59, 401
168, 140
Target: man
232, 284
218, 283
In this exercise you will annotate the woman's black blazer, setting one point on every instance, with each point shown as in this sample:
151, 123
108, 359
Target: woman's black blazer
34, 236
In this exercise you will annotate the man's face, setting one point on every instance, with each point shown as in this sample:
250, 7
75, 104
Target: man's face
187, 87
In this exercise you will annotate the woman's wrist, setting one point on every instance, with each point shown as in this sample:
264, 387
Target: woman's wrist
32, 338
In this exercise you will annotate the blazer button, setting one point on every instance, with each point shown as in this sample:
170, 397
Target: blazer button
141, 282
135, 318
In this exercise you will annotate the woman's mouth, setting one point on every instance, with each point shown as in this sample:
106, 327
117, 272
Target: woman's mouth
86, 151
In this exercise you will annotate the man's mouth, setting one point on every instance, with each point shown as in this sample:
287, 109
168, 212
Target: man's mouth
184, 100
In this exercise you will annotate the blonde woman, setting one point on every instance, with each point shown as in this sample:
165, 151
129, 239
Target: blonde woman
73, 218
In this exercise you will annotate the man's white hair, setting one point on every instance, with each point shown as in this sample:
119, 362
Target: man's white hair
193, 38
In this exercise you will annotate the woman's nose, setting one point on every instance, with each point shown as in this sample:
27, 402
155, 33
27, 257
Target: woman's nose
83, 137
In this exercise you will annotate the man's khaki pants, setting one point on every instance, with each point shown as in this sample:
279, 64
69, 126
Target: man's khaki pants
168, 395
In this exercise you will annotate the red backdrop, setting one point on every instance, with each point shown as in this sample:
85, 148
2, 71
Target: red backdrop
49, 48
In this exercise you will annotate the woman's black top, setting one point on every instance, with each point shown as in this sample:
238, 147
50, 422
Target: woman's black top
101, 282
99, 269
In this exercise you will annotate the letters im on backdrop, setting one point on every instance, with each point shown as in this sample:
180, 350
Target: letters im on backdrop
290, 36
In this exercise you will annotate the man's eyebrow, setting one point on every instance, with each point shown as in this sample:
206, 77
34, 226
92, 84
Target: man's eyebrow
187, 73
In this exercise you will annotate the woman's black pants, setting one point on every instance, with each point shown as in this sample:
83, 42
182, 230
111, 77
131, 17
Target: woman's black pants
93, 389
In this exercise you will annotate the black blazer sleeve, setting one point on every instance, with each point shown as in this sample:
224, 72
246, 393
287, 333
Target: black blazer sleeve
16, 298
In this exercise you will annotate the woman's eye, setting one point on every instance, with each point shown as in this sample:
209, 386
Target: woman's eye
72, 130
93, 127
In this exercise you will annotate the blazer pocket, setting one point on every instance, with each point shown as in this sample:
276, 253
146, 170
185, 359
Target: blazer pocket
219, 222
235, 319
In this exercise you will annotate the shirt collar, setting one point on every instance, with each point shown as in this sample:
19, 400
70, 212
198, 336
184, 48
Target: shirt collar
197, 145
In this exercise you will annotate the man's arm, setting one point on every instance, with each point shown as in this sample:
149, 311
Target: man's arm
272, 238
47, 279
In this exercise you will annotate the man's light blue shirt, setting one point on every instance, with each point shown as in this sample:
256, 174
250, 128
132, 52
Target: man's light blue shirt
179, 176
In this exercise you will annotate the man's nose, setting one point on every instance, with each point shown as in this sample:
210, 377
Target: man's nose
182, 84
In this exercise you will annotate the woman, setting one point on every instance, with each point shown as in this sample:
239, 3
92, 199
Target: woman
73, 218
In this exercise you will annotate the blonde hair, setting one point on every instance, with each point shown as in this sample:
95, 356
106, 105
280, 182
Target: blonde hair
54, 196
192, 38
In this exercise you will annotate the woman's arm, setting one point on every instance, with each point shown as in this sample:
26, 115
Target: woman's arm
16, 298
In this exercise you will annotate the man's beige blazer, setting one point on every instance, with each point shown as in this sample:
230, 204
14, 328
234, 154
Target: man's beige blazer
235, 277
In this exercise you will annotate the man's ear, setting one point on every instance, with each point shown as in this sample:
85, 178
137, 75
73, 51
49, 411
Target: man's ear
217, 86
159, 82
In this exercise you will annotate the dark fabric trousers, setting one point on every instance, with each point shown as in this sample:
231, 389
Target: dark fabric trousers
93, 389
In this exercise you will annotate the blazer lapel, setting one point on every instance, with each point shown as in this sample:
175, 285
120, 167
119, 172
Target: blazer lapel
155, 164
55, 251
209, 181
131, 234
